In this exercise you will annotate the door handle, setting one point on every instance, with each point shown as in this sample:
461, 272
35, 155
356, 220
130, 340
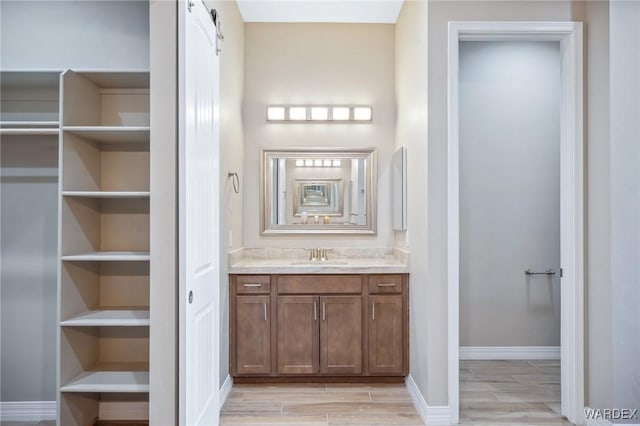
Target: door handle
190, 296
323, 311
373, 311
548, 271
265, 311
253, 285
315, 312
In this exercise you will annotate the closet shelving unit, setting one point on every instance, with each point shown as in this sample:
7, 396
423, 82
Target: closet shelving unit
104, 246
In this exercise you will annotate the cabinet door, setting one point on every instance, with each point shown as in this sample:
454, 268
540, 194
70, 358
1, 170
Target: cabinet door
341, 334
298, 334
253, 335
386, 331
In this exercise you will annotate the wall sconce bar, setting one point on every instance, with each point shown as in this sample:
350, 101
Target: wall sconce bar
319, 114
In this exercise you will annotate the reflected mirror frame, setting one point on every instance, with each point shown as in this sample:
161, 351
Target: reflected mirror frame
266, 160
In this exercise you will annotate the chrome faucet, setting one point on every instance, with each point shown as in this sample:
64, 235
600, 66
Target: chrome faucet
318, 254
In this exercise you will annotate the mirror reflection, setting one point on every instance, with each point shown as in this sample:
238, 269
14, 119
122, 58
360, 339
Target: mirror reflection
318, 196
319, 191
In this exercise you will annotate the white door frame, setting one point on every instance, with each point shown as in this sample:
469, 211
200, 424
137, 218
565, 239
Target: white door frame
569, 34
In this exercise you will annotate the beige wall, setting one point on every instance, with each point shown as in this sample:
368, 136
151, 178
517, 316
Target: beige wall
411, 131
163, 341
318, 64
231, 156
598, 364
440, 13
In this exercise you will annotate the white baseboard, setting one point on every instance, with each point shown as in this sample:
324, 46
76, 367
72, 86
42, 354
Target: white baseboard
27, 411
509, 352
225, 390
432, 416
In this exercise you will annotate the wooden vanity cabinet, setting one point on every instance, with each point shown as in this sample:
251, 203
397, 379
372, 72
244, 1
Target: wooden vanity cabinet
251, 325
341, 335
297, 335
386, 324
323, 326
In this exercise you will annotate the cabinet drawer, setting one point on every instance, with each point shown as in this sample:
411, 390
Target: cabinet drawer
319, 284
385, 284
253, 284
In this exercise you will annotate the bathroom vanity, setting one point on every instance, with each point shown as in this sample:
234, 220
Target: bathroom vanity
311, 322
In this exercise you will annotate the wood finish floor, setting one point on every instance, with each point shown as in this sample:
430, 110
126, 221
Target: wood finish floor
510, 393
492, 393
319, 404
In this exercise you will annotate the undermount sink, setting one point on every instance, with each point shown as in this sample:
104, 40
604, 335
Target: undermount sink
319, 263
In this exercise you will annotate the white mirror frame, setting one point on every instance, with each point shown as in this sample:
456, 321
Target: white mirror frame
371, 182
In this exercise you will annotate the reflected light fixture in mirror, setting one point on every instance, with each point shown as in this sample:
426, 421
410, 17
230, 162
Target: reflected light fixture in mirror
319, 114
275, 113
297, 113
340, 113
362, 114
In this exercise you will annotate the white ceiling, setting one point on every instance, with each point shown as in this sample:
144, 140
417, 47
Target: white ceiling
340, 11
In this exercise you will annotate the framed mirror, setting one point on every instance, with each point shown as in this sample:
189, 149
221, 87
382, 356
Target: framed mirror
318, 191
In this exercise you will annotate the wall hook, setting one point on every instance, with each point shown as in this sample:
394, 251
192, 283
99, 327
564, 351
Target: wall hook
236, 181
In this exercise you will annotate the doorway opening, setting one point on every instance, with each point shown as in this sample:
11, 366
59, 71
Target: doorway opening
509, 153
555, 272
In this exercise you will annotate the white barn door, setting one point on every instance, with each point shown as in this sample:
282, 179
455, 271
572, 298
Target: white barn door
198, 217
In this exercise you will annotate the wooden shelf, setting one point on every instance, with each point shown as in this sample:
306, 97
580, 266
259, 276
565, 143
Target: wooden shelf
105, 243
107, 194
109, 318
111, 134
108, 256
109, 381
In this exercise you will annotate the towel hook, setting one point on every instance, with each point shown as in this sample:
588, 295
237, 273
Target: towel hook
235, 181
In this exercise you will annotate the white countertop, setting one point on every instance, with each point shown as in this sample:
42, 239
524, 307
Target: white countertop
341, 261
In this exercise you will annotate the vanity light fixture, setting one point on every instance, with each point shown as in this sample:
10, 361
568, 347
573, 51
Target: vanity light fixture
276, 113
326, 163
299, 163
341, 113
337, 163
319, 114
297, 113
362, 114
